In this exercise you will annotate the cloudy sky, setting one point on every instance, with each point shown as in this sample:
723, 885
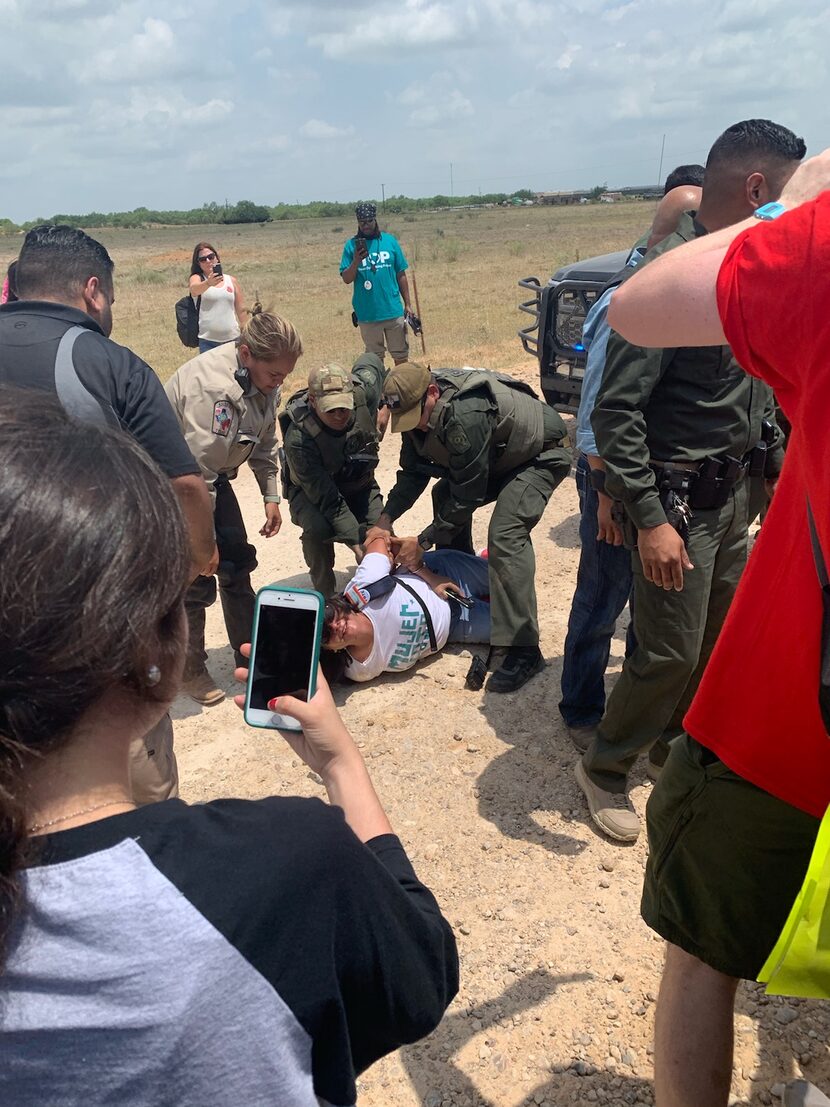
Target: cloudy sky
108, 105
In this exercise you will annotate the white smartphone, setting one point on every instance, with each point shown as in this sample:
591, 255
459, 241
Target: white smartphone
285, 651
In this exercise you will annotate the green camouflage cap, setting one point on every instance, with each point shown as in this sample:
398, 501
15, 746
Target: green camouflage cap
403, 391
332, 387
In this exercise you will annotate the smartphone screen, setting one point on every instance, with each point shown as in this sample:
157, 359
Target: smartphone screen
283, 653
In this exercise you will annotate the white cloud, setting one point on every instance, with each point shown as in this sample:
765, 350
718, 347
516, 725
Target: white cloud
143, 57
174, 109
435, 102
416, 24
567, 57
318, 129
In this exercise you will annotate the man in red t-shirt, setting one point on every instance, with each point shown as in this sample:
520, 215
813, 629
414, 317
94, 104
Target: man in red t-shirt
734, 817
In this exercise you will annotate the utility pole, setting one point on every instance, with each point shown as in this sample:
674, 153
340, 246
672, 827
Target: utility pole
383, 194
660, 170
452, 193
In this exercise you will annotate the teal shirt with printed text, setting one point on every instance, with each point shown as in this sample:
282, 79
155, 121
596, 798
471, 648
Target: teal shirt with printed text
375, 294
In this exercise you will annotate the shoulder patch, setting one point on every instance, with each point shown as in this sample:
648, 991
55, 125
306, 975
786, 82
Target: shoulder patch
222, 417
457, 438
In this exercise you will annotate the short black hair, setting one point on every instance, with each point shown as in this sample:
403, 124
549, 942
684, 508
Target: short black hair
754, 137
684, 175
57, 260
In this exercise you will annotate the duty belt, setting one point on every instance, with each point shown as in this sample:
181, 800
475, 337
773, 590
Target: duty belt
706, 484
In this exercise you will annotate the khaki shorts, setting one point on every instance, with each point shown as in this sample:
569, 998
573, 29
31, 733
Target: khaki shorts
387, 334
154, 774
726, 861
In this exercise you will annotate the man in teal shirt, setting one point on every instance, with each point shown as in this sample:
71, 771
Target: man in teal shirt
374, 263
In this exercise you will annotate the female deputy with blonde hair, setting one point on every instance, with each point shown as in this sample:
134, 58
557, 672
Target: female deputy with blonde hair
231, 952
226, 401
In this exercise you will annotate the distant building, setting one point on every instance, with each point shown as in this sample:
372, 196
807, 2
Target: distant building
561, 197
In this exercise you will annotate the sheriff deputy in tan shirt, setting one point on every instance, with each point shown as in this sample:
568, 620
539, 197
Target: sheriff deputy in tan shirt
226, 402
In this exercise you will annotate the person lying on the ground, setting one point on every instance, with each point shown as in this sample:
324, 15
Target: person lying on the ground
235, 951
415, 616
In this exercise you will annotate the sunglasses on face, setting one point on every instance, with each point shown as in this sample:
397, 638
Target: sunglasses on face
207, 257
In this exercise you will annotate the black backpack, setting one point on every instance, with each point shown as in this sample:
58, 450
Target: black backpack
187, 319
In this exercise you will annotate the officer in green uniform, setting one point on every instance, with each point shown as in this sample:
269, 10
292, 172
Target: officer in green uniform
487, 438
681, 431
330, 440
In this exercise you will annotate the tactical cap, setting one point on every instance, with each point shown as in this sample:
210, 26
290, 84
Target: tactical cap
332, 387
403, 391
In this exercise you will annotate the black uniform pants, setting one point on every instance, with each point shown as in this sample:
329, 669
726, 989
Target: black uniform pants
237, 560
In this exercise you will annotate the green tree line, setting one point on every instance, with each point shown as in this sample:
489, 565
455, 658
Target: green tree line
245, 211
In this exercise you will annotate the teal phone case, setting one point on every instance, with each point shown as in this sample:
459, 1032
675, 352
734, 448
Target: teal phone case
315, 659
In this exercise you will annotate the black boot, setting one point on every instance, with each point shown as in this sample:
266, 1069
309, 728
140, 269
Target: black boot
519, 665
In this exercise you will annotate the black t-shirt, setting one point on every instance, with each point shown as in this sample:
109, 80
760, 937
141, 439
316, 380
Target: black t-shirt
119, 384
236, 952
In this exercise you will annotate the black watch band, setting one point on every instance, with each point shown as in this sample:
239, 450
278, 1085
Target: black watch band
598, 481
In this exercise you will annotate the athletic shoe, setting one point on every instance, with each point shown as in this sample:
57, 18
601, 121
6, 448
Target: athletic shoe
519, 665
611, 811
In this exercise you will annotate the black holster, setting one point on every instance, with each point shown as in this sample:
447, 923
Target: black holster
676, 488
714, 481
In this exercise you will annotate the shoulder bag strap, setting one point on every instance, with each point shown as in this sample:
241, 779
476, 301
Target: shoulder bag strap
433, 645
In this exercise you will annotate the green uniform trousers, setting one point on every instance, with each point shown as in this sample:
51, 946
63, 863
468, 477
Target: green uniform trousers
676, 633
318, 539
520, 497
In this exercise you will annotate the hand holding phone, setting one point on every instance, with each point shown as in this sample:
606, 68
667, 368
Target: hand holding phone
326, 746
324, 738
360, 249
285, 651
217, 269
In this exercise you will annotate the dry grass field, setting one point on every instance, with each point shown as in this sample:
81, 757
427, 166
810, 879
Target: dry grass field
467, 264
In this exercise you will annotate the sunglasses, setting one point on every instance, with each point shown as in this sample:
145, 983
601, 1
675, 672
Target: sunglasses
207, 257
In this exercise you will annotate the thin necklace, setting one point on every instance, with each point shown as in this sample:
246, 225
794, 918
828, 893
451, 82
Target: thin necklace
77, 814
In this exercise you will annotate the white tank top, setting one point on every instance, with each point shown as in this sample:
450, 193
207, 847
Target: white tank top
217, 319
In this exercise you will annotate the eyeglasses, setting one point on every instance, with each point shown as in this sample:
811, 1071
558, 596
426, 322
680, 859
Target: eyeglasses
207, 257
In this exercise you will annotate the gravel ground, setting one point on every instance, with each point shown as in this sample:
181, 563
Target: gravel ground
559, 975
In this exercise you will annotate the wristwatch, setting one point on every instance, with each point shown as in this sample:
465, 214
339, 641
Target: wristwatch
272, 499
770, 211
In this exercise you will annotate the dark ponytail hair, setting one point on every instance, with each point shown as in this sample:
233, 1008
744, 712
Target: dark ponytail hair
93, 567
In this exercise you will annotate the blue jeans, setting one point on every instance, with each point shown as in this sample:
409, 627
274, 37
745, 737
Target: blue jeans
603, 585
472, 576
206, 344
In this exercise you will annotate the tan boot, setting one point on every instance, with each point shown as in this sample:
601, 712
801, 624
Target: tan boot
611, 811
202, 688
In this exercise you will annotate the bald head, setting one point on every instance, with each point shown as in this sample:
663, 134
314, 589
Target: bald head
669, 210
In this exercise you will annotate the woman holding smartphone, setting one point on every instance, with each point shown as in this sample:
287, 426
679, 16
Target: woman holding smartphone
221, 309
234, 951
